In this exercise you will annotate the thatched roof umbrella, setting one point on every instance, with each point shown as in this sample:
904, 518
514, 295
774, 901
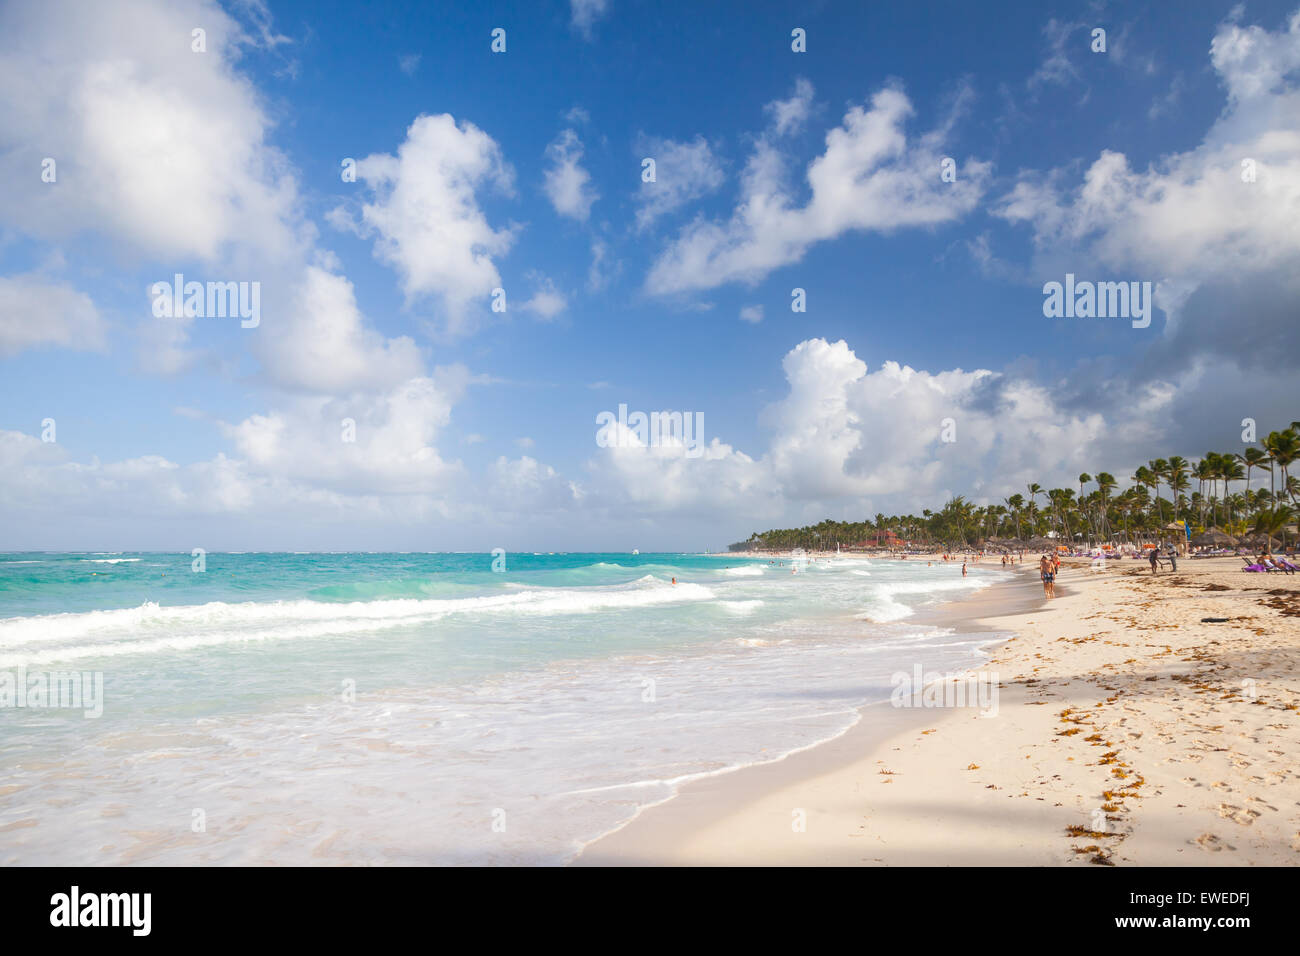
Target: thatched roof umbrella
1214, 538
1040, 544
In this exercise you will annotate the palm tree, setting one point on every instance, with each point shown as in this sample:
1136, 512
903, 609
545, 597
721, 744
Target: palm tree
1084, 478
1143, 478
1284, 448
1177, 474
1016, 503
1158, 468
1268, 509
1203, 471
1060, 499
1229, 471
1105, 485
1270, 521
1251, 458
1178, 483
1034, 491
1124, 505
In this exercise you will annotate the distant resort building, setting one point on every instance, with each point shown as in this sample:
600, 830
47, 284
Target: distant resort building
887, 540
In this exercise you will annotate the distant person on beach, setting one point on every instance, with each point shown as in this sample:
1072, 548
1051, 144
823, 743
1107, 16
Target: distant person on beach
1046, 572
1173, 558
1154, 558
963, 569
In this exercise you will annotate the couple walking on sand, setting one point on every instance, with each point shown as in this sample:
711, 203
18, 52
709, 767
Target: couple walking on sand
1048, 566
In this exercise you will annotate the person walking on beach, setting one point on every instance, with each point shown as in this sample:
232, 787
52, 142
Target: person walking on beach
1046, 572
963, 569
1154, 558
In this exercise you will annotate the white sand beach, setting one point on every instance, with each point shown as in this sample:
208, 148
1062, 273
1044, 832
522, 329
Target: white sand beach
1129, 731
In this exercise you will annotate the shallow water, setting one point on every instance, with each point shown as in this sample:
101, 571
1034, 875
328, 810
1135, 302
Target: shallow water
422, 708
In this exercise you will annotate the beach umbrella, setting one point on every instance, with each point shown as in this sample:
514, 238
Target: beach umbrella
1214, 538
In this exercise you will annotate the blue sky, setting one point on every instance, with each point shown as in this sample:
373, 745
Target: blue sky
522, 171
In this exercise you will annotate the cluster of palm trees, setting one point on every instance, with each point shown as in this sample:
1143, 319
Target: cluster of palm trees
1138, 513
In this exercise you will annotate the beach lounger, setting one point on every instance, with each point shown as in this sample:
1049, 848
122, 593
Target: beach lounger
1259, 567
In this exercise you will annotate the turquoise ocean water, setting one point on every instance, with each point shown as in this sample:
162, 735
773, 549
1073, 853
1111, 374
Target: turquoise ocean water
424, 708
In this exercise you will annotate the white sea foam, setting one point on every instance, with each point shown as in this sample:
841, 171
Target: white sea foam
568, 752
554, 725
150, 628
740, 607
883, 604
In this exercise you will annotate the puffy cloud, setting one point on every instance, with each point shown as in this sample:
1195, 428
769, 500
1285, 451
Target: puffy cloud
1215, 226
845, 439
193, 175
869, 177
850, 440
526, 486
566, 183
547, 302
163, 151
1253, 62
662, 476
789, 115
752, 313
684, 172
425, 212
324, 345
35, 312
362, 444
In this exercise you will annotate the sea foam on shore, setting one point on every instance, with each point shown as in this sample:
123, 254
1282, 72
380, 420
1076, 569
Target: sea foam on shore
421, 708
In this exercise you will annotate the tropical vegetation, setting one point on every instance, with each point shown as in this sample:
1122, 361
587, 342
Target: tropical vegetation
1218, 492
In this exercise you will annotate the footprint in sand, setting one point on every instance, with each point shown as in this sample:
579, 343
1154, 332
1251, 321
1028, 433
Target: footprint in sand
1237, 815
1210, 842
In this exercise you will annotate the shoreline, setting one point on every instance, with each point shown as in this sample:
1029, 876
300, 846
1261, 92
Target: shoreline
674, 820
1130, 730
